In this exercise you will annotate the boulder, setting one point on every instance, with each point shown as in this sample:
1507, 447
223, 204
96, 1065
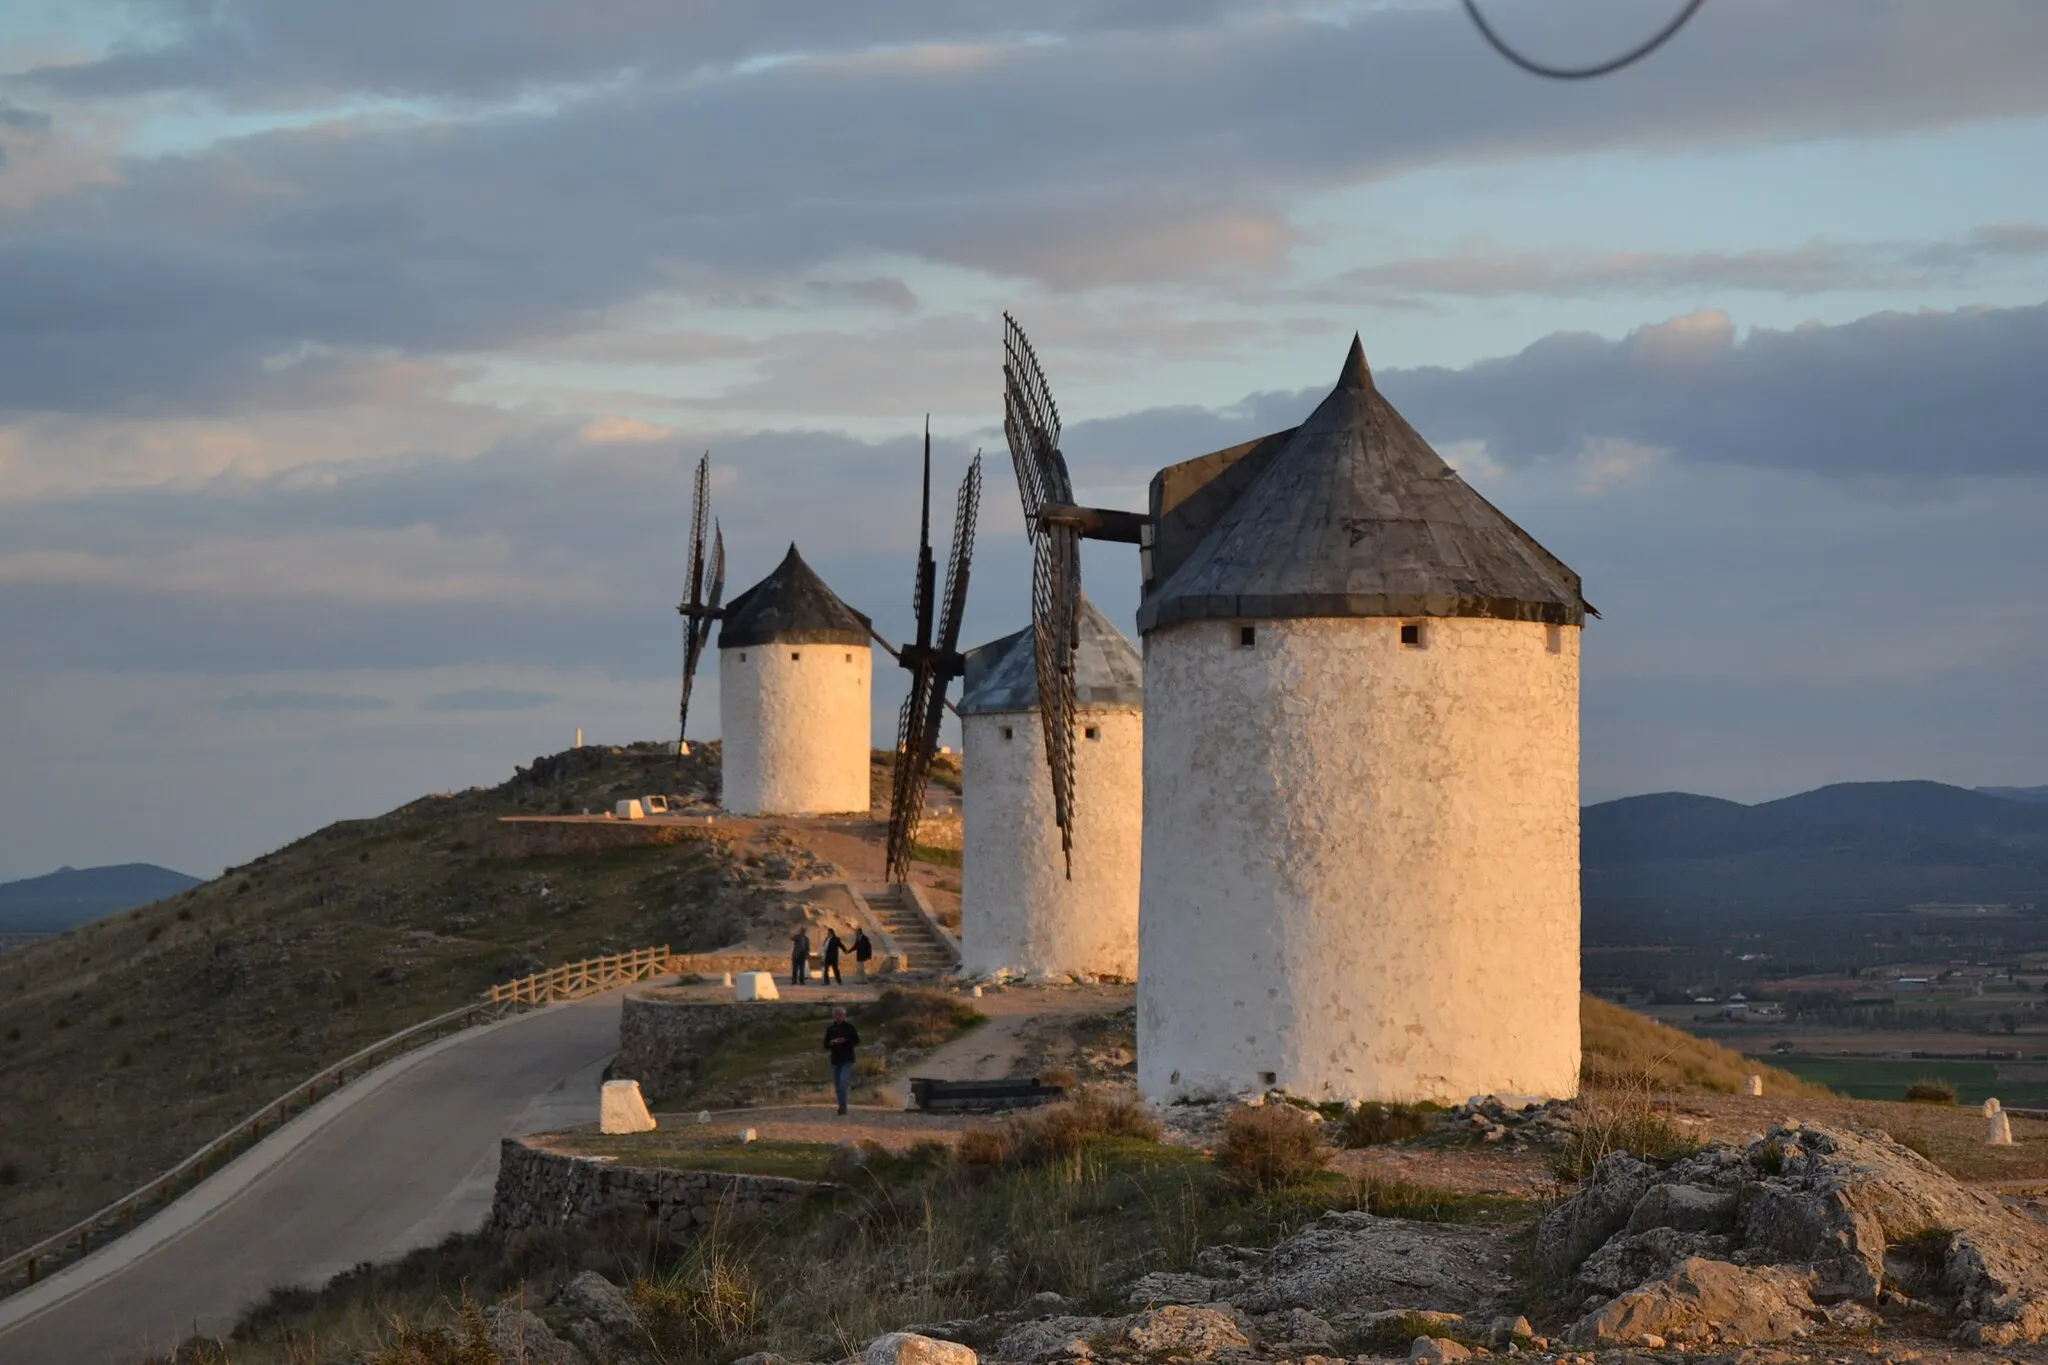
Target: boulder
1347, 1264
1821, 1205
521, 1338
1598, 1209
1437, 1351
1184, 1332
1739, 1305
621, 1109
1170, 1286
908, 1348
1057, 1338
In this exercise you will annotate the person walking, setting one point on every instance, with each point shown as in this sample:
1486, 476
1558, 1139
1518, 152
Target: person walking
799, 957
841, 1038
863, 949
831, 951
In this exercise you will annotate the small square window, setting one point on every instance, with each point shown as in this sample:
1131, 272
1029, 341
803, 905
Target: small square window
1006, 732
743, 656
1268, 1079
1411, 635
849, 658
1093, 732
794, 656
1247, 636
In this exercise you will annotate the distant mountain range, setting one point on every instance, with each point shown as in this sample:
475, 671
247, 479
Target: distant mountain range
72, 895
1858, 846
2039, 794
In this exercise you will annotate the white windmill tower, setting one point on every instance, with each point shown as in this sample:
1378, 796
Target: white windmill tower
1023, 910
1361, 835
794, 681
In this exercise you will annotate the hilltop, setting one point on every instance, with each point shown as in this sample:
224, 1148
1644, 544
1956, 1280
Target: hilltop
128, 1042
71, 896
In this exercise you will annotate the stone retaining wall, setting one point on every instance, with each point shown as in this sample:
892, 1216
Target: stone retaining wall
660, 1042
538, 1188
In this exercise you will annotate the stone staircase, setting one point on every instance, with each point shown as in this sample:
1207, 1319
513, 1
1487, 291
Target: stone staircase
925, 953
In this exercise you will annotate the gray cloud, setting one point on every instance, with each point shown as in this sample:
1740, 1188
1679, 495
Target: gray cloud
488, 699
1818, 267
259, 51
1123, 153
1928, 395
291, 701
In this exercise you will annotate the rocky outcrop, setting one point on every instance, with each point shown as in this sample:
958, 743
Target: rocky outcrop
1744, 1244
1345, 1265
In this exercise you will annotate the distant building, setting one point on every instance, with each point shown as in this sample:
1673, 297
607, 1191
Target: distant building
1020, 911
794, 680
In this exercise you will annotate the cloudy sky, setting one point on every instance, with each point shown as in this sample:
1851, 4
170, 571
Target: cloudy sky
353, 356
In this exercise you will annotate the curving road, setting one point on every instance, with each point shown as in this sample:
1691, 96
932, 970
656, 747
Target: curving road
397, 1160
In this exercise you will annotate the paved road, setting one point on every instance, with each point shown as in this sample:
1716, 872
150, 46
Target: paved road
399, 1160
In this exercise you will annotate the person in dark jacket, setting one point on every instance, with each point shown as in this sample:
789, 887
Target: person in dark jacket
863, 949
831, 951
799, 957
841, 1038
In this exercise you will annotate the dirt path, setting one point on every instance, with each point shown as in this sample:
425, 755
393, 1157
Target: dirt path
993, 1050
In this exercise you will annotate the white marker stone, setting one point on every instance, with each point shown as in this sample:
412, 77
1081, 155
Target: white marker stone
2000, 1126
623, 1110
1753, 1086
755, 986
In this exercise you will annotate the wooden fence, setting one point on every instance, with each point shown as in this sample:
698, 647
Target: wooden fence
23, 1268
587, 977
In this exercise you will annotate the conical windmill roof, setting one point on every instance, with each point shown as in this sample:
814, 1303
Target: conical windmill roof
792, 605
1002, 675
1354, 515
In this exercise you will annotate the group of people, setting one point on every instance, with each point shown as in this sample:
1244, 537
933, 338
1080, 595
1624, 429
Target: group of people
862, 949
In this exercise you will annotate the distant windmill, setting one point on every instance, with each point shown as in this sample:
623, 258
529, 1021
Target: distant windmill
1031, 422
701, 608
933, 661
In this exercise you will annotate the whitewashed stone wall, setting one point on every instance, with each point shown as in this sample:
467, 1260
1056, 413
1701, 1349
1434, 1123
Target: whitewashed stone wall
795, 722
1018, 911
1361, 860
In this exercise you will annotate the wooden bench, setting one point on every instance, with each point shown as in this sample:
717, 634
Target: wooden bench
980, 1097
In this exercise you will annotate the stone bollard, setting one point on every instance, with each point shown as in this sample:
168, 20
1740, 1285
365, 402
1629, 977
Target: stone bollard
755, 986
1753, 1086
621, 1109
747, 1135
1999, 1126
728, 978
1991, 1107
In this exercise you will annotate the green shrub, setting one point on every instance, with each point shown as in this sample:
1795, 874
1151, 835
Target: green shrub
916, 1017
1933, 1090
1270, 1146
1057, 1130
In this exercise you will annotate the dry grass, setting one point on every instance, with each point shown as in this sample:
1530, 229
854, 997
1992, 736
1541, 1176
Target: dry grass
127, 1043
1271, 1146
1623, 1049
1621, 1118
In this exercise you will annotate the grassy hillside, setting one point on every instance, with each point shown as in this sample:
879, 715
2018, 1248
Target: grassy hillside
126, 1043
1623, 1048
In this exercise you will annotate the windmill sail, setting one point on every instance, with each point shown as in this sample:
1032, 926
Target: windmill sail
933, 660
707, 587
1031, 423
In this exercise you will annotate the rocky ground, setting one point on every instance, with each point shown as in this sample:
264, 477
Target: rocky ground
1800, 1243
